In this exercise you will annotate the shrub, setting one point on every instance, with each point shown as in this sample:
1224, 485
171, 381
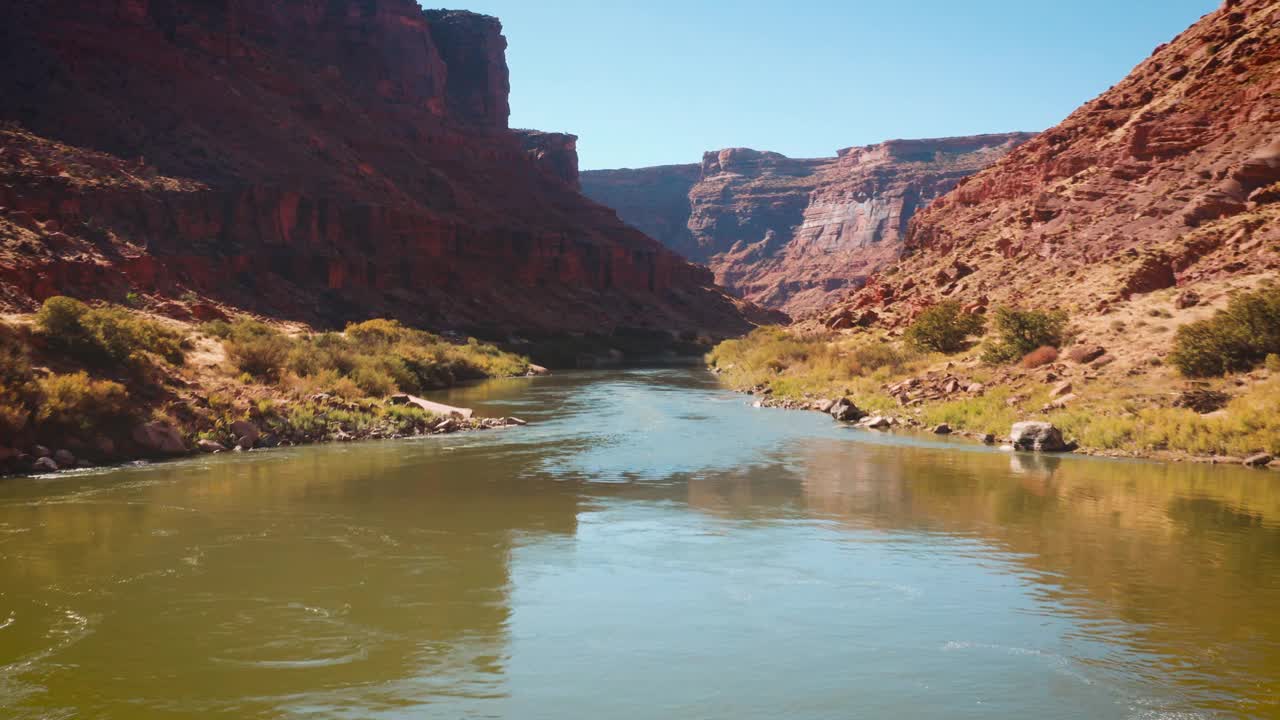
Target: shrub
14, 413
107, 335
306, 422
408, 418
374, 376
943, 328
376, 332
62, 318
17, 389
345, 388
1039, 357
872, 357
77, 402
123, 335
1019, 332
1235, 339
216, 328
259, 355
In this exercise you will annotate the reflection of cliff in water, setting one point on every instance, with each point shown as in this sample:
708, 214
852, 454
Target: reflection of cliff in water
1109, 540
337, 569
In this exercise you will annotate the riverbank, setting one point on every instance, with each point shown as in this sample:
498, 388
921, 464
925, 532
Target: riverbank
84, 386
1109, 391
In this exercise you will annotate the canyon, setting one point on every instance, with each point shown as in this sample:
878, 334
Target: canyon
312, 161
794, 234
1170, 180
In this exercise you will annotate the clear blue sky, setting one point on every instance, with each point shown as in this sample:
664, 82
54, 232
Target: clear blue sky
650, 82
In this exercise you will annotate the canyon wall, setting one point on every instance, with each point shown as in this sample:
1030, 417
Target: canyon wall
321, 160
1168, 179
793, 233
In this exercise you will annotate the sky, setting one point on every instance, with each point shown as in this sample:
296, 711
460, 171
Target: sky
658, 82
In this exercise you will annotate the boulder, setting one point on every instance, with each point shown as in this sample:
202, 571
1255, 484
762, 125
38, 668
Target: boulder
1060, 403
206, 312
537, 370
44, 464
845, 411
1085, 354
159, 438
64, 458
209, 446
1259, 460
1038, 436
1187, 299
105, 446
876, 422
1103, 361
516, 421
1061, 389
40, 451
824, 406
246, 432
434, 408
942, 429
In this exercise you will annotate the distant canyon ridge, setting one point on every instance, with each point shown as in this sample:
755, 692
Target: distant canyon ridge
794, 234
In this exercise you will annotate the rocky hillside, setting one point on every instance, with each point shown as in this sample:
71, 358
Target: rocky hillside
788, 233
317, 161
1169, 179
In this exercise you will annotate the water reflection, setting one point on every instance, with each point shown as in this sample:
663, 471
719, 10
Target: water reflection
649, 546
239, 585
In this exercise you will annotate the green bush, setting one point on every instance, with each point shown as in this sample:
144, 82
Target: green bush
376, 332
106, 336
375, 375
262, 357
17, 389
943, 328
372, 358
1235, 339
216, 328
1019, 332
872, 357
77, 402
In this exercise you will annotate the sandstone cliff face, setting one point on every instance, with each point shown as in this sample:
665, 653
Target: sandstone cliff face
794, 233
1171, 177
317, 159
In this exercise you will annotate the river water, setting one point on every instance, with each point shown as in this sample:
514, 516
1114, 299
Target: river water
650, 546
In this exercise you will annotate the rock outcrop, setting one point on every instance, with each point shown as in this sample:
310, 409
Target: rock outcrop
1170, 178
793, 233
317, 160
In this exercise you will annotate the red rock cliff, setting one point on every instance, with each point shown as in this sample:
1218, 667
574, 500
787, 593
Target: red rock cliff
318, 159
1171, 177
794, 233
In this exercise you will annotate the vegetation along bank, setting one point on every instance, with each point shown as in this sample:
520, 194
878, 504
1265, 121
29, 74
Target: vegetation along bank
1172, 375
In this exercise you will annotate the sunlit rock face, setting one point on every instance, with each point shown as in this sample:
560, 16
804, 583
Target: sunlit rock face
1169, 178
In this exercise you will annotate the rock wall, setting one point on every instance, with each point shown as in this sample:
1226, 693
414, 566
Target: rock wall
794, 233
318, 159
1169, 178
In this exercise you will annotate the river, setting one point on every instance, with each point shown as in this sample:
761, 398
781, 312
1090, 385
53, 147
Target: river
650, 546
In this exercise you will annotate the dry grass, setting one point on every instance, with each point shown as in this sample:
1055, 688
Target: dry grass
1119, 412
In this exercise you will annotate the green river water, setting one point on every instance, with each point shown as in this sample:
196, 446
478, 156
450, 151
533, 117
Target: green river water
650, 546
